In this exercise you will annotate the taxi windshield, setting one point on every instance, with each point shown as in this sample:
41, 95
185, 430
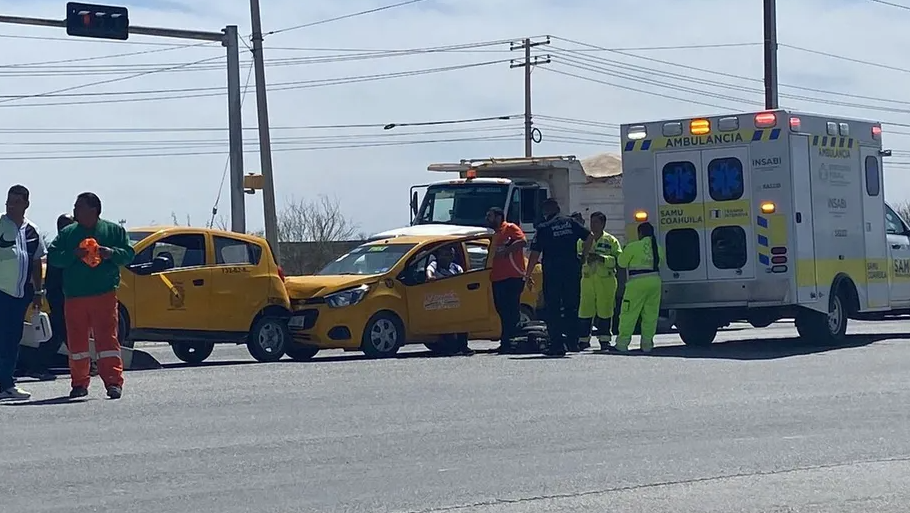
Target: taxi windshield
367, 259
137, 237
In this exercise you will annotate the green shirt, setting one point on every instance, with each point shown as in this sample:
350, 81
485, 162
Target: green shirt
80, 280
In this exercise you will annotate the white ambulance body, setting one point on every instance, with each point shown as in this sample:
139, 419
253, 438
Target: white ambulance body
765, 216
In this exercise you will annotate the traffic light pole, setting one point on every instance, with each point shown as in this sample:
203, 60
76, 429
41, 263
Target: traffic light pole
229, 39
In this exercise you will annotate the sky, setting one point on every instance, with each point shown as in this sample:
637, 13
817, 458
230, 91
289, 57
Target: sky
166, 154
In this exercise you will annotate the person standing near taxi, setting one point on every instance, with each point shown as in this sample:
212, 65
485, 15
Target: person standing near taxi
598, 285
557, 239
90, 288
641, 298
507, 275
21, 250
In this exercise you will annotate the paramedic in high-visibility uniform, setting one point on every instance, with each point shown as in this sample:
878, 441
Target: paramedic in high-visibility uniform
598, 285
642, 259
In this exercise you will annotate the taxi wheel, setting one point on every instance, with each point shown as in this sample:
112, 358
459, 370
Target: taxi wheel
123, 328
268, 339
382, 336
193, 352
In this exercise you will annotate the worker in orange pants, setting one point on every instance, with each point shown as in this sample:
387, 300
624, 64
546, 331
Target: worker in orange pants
97, 315
91, 252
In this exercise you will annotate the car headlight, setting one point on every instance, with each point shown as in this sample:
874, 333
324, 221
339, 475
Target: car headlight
347, 297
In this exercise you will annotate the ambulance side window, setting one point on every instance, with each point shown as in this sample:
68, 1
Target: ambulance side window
725, 179
873, 187
680, 182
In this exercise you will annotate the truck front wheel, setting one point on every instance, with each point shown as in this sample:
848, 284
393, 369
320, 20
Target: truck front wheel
696, 330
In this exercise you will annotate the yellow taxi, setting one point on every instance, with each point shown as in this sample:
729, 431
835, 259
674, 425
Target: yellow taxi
197, 287
376, 298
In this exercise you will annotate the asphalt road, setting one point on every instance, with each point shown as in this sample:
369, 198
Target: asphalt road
759, 426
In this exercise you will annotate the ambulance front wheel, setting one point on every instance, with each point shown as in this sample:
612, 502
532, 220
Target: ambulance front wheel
695, 330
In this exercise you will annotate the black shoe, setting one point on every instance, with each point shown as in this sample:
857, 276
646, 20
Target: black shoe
114, 392
467, 351
504, 349
555, 352
42, 375
78, 392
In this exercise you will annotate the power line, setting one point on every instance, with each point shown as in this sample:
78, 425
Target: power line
727, 86
227, 161
102, 57
92, 84
182, 94
76, 130
88, 40
343, 17
628, 49
45, 156
892, 4
117, 145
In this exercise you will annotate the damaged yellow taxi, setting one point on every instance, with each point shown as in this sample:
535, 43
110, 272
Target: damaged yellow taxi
376, 298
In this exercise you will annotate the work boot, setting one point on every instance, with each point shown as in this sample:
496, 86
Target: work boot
78, 392
114, 392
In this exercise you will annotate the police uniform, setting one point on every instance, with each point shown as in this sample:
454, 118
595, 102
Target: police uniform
642, 294
557, 239
598, 290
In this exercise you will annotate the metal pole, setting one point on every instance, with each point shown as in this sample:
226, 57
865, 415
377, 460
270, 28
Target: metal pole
770, 23
235, 130
528, 126
265, 144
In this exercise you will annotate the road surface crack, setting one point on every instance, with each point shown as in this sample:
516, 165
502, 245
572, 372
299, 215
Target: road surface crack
660, 484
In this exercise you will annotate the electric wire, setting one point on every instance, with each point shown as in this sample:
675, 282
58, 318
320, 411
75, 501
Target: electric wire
343, 17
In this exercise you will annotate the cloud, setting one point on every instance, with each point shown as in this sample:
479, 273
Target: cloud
373, 183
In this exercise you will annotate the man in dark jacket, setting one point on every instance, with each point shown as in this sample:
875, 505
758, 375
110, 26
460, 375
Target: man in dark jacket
53, 287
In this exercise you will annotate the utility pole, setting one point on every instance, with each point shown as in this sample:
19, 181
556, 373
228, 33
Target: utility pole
265, 144
528, 63
770, 23
227, 37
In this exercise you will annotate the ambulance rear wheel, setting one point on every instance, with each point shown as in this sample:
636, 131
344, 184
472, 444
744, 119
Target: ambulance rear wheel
695, 331
824, 328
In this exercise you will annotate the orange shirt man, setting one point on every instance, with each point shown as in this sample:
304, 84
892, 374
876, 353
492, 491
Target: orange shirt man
507, 274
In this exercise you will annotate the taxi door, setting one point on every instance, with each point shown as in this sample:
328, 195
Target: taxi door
175, 298
455, 304
240, 283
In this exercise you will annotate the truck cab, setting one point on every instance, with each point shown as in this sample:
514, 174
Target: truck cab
518, 186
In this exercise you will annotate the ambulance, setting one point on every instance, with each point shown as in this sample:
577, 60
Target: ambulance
765, 216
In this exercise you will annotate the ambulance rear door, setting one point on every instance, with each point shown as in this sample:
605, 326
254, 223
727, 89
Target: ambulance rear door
681, 215
728, 213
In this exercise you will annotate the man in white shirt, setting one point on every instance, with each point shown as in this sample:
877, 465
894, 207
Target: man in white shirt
444, 265
21, 251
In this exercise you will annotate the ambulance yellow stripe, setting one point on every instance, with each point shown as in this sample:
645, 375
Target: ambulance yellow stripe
703, 141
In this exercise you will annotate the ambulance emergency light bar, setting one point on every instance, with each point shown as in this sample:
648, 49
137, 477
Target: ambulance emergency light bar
702, 126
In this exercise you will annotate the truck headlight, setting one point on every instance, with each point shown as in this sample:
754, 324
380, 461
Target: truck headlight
347, 297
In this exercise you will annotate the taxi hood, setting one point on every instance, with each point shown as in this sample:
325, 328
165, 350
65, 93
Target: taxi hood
306, 287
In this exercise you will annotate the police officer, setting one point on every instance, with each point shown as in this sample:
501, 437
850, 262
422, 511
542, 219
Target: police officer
642, 259
557, 238
598, 285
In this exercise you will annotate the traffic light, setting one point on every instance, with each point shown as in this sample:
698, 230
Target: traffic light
97, 21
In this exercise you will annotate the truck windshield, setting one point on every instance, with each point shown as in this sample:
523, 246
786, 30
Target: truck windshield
463, 204
367, 259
